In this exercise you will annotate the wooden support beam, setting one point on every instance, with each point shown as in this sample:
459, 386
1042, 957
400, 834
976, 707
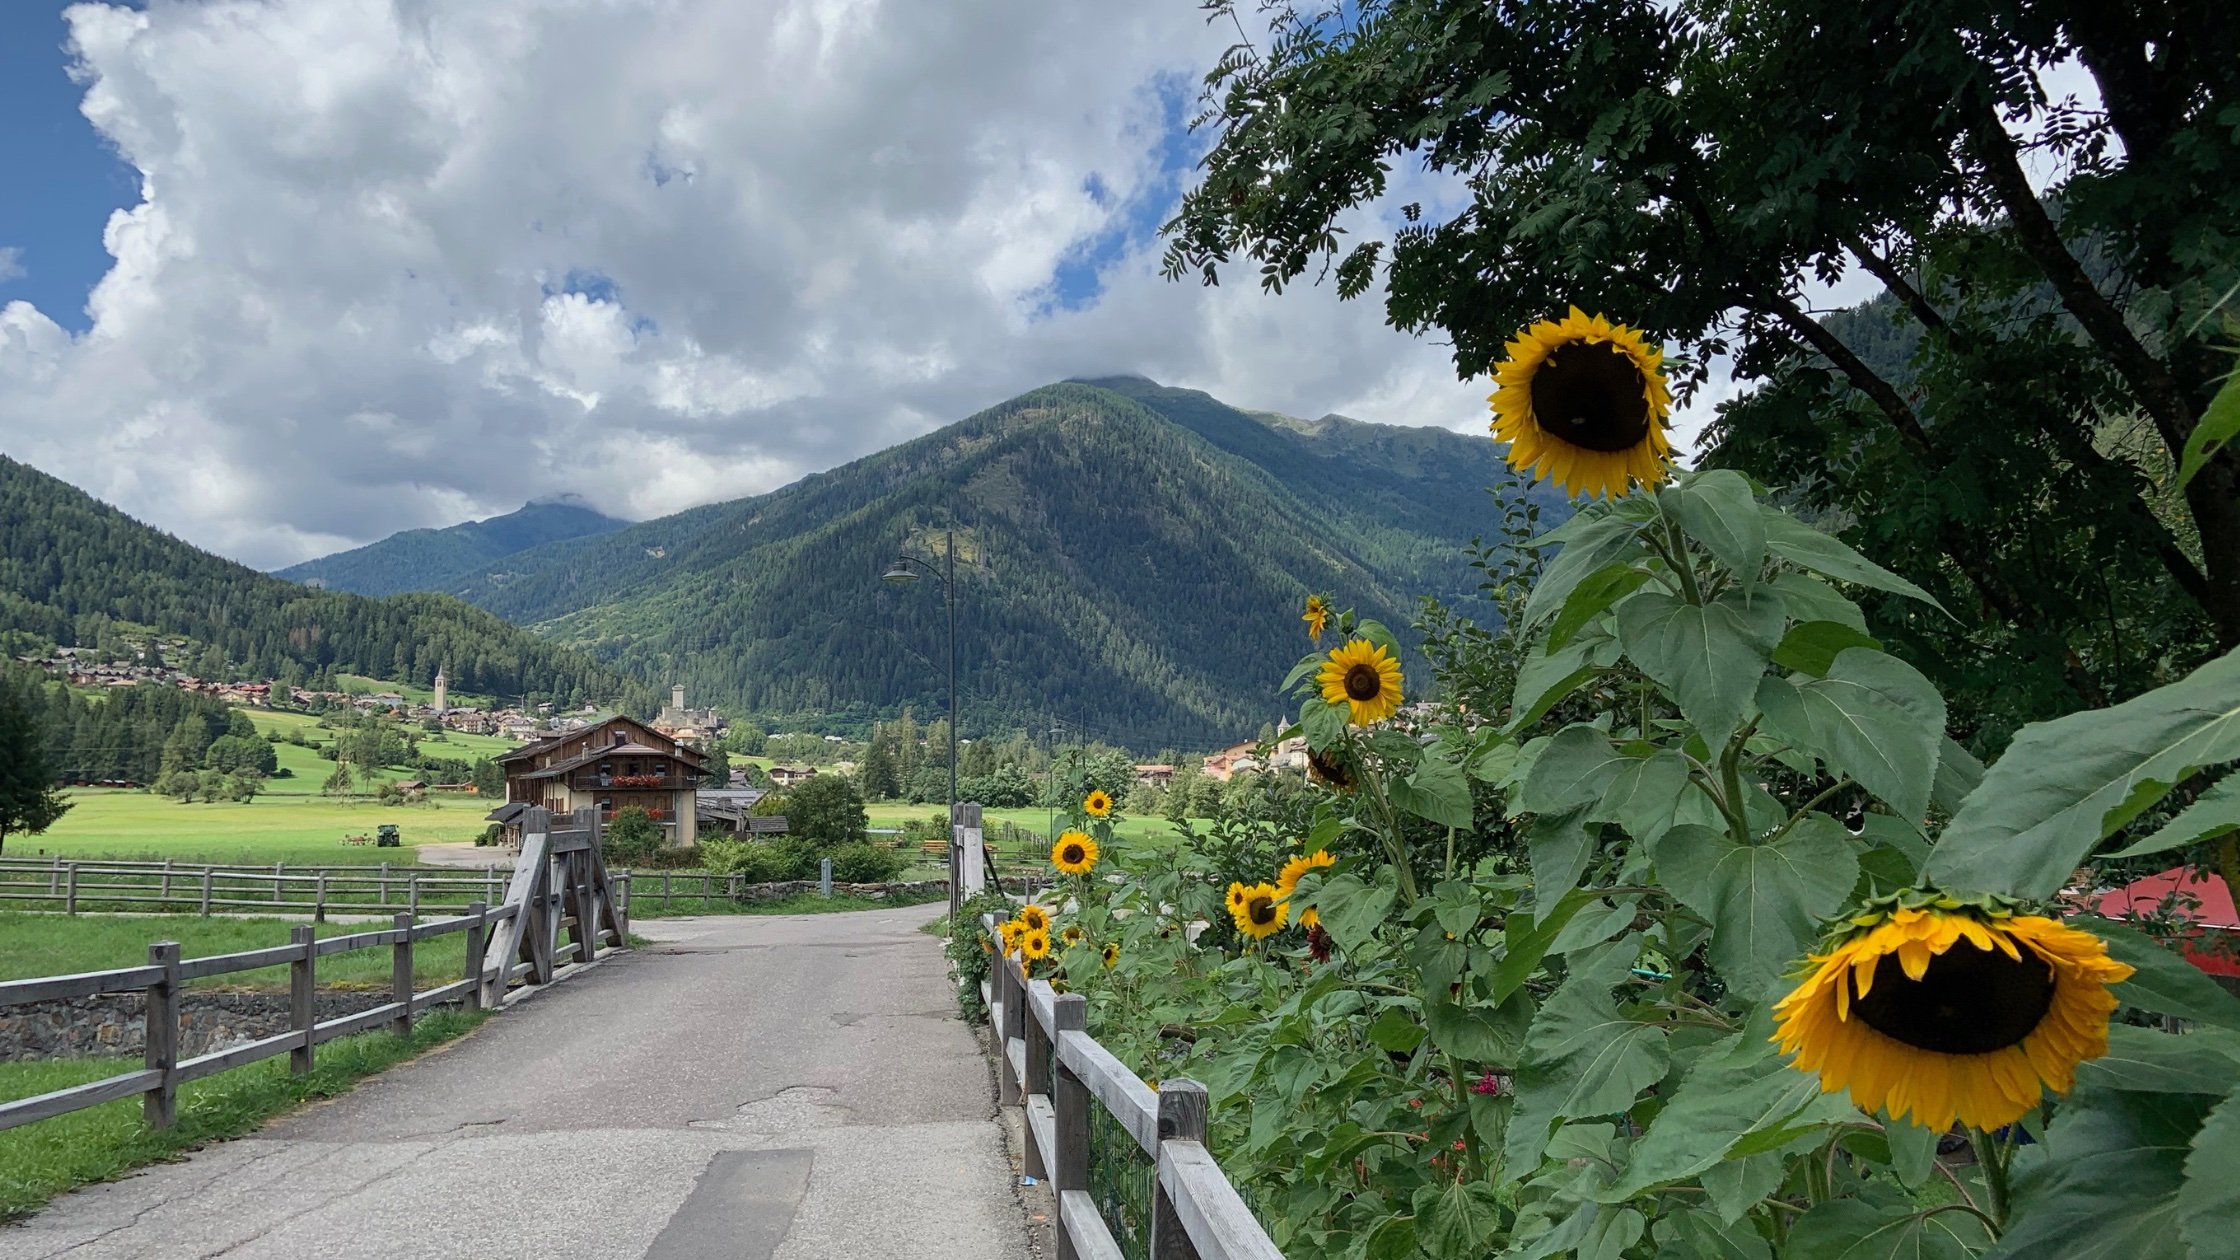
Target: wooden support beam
301, 993
400, 976
159, 1106
1182, 1119
1070, 1101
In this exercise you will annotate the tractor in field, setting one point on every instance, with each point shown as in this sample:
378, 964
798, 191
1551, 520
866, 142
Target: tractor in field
385, 837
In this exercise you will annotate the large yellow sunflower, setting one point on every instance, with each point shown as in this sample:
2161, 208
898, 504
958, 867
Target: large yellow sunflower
1234, 897
1035, 945
1287, 880
1034, 917
1940, 1009
1365, 677
1583, 401
1260, 911
1317, 617
1111, 954
1012, 930
1097, 804
1075, 853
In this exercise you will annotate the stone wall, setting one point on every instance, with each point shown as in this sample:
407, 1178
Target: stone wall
111, 1024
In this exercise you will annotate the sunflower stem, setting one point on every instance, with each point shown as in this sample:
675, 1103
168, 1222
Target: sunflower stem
1730, 776
1992, 1159
1677, 557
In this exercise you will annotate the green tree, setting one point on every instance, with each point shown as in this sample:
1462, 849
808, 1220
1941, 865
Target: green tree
29, 802
882, 777
340, 782
489, 779
633, 836
231, 753
1687, 168
826, 811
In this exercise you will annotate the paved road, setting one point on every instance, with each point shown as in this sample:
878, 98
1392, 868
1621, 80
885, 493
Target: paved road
749, 1088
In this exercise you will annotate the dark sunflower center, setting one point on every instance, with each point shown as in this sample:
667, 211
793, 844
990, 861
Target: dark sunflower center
1590, 394
1074, 854
1363, 682
1971, 1001
1262, 911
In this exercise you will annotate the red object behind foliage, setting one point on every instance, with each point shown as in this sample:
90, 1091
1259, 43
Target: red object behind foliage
2214, 943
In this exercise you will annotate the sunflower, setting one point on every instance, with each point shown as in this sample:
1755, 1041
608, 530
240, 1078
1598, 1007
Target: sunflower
1260, 911
1583, 401
1234, 898
1034, 917
1317, 617
1287, 880
1943, 1009
1097, 804
1075, 853
1012, 930
1035, 945
1363, 675
1111, 954
1072, 935
1328, 769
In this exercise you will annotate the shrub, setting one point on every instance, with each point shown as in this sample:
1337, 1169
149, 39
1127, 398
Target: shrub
633, 836
826, 811
865, 864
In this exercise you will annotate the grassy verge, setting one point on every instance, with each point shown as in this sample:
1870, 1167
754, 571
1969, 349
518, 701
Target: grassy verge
39, 1161
643, 907
56, 945
291, 825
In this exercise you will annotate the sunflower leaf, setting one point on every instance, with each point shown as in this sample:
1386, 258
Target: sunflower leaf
1584, 555
2149, 1061
2218, 426
1582, 1058
1708, 656
2161, 981
2216, 813
1765, 901
1375, 632
1872, 717
1717, 509
1593, 596
2209, 1213
1352, 911
1437, 791
1851, 1229
1547, 677
1808, 548
2064, 786
1811, 647
2107, 1180
1325, 723
1694, 1232
1739, 1088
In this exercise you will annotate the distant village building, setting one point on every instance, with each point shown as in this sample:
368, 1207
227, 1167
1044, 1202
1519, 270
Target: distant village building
610, 766
1155, 776
443, 691
679, 722
787, 776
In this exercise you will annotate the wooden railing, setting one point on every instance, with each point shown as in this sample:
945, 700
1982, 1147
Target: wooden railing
1048, 1064
71, 885
559, 886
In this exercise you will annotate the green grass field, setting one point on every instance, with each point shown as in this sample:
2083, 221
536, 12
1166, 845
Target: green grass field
57, 945
39, 1161
304, 830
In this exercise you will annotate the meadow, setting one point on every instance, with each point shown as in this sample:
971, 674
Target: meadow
278, 827
54, 945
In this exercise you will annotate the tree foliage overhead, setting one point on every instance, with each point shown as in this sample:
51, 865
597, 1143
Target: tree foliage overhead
1689, 168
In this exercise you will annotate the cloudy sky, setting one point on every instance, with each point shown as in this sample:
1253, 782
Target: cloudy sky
288, 276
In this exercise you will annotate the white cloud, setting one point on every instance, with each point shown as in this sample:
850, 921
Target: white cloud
401, 263
11, 262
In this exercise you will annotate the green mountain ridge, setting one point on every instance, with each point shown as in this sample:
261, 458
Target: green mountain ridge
72, 566
1137, 557
401, 561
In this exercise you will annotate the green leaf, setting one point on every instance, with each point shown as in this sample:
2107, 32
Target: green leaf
1325, 723
1808, 548
1874, 718
1479, 1034
1765, 901
1395, 1030
1374, 631
1811, 647
1708, 657
2215, 813
1849, 1229
1308, 665
1437, 791
1582, 1058
1457, 1221
1545, 679
1958, 773
2064, 786
2149, 1061
1593, 597
1694, 1234
2218, 424
1351, 911
1394, 1238
1526, 939
1572, 770
1810, 599
1559, 846
2161, 981
1737, 1185
2105, 1183
1595, 545
1645, 795
1717, 509
1739, 1088
2208, 1208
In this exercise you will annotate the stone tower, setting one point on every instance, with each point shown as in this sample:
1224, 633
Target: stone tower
443, 686
676, 697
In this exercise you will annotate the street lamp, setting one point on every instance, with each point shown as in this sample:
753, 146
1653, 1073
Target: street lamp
906, 568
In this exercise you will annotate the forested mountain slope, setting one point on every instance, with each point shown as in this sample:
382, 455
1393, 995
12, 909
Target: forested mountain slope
69, 563
408, 561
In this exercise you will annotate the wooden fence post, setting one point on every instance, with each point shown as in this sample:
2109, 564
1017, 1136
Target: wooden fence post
319, 900
400, 977
54, 877
70, 888
279, 875
383, 899
412, 894
1182, 1116
166, 893
205, 892
1071, 1100
478, 946
1037, 1065
159, 1106
1014, 1014
301, 981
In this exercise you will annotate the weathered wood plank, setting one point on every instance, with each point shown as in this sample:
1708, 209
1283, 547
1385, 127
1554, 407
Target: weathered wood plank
1072, 1106
438, 996
1084, 1227
76, 1098
1042, 1130
1220, 1226
1015, 1050
327, 1030
359, 940
246, 960
82, 984
1040, 1002
205, 1065
160, 1104
442, 927
302, 987
1134, 1104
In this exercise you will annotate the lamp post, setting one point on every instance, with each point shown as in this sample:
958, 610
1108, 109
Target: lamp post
905, 569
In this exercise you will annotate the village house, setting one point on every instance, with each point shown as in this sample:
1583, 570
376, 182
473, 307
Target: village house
787, 776
1154, 775
679, 722
611, 766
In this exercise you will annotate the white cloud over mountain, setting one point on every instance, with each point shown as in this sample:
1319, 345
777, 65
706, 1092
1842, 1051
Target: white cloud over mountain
406, 263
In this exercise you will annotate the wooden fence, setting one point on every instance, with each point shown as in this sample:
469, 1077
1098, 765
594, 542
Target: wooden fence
558, 886
1048, 1064
73, 885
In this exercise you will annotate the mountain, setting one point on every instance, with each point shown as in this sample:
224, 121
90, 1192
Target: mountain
73, 568
1133, 559
406, 561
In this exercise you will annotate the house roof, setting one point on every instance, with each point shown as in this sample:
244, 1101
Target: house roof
538, 747
2204, 902
507, 812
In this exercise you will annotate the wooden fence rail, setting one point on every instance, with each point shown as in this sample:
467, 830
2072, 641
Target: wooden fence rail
558, 886
1048, 1065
